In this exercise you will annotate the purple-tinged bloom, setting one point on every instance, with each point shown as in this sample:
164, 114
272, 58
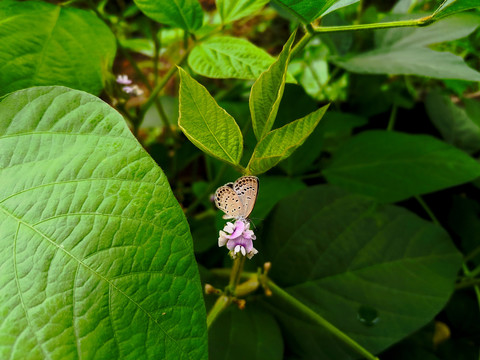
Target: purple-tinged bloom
238, 238
133, 90
123, 80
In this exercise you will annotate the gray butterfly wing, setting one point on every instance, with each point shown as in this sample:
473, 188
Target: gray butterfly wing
227, 200
246, 188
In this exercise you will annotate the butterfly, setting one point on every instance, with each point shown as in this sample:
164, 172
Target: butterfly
237, 199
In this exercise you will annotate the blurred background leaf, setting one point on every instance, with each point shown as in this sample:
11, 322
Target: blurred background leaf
377, 272
58, 52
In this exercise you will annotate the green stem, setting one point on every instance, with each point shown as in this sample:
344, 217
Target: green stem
475, 272
467, 283
157, 46
301, 44
220, 305
386, 25
126, 54
319, 320
143, 78
163, 82
393, 117
225, 273
225, 300
466, 271
473, 254
134, 64
427, 209
156, 58
236, 273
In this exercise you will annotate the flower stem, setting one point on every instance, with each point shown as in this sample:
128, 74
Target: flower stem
236, 273
319, 320
225, 300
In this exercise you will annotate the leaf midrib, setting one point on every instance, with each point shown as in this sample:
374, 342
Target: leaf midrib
208, 127
46, 43
75, 181
413, 160
17, 282
80, 262
181, 15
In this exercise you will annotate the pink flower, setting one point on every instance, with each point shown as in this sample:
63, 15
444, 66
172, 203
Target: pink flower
238, 238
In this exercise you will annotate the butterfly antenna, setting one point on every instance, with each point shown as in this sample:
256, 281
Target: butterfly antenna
251, 222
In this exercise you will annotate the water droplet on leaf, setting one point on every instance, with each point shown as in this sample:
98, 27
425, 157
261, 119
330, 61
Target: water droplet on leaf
367, 315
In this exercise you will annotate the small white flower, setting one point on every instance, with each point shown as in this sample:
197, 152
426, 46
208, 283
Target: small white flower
123, 79
133, 90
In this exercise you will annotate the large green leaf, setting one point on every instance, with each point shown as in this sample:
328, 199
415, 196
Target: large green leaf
229, 57
185, 14
206, 124
67, 46
452, 28
267, 92
392, 166
251, 334
274, 189
411, 61
404, 51
453, 122
231, 10
450, 7
280, 143
375, 272
96, 258
309, 10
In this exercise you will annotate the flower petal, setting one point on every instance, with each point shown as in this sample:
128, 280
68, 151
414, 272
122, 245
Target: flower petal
222, 238
229, 227
251, 253
239, 227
